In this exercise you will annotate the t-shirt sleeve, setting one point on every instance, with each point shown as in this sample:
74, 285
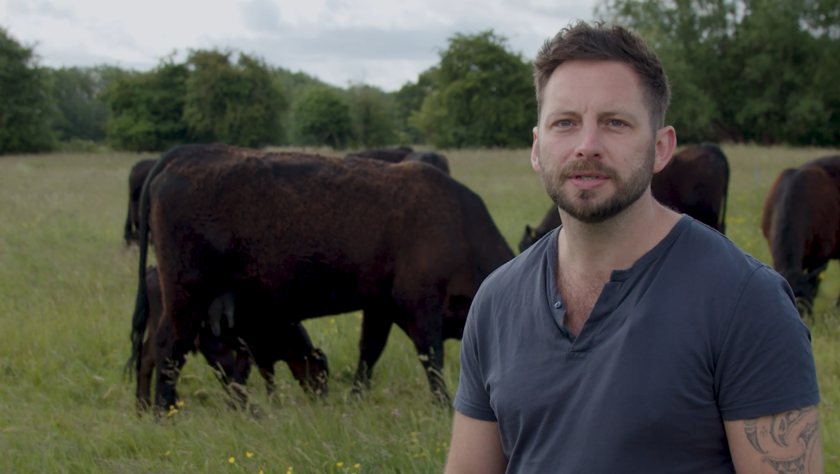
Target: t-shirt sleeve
472, 398
766, 365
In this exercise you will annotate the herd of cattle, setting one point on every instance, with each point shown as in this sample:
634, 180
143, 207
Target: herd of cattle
248, 244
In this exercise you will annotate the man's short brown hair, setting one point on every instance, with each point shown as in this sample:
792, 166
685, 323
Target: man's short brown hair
609, 43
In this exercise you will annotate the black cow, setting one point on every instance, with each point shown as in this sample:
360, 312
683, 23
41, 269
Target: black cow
430, 158
404, 153
136, 177
228, 354
696, 183
303, 236
801, 222
390, 155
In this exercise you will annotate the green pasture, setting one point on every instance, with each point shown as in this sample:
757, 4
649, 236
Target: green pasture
67, 287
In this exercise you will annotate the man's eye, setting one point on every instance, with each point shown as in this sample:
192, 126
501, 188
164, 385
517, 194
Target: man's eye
616, 123
563, 123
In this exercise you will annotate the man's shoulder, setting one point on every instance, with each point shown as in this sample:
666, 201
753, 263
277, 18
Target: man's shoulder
708, 248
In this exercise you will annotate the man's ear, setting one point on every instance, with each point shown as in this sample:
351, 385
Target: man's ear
535, 151
666, 143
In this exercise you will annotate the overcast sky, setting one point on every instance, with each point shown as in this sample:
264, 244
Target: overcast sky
384, 43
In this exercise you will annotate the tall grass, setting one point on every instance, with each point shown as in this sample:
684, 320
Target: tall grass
67, 288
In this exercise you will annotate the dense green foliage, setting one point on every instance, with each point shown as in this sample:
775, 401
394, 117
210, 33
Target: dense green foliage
237, 104
745, 70
76, 92
372, 114
25, 109
68, 285
761, 71
408, 101
147, 109
322, 117
481, 96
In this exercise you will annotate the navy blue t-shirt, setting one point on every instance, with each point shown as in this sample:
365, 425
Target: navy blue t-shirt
694, 333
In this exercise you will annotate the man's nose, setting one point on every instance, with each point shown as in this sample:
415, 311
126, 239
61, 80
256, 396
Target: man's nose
590, 144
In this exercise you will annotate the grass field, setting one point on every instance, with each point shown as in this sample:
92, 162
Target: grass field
67, 288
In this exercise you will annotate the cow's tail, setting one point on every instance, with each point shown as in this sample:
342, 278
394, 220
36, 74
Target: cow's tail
141, 304
128, 230
715, 150
724, 201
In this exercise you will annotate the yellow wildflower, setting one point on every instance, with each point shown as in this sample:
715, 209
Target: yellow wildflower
249, 454
231, 460
339, 464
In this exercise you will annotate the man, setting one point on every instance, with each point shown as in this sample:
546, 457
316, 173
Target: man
632, 339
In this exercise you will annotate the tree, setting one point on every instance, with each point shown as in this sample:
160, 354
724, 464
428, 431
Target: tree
745, 70
25, 109
81, 113
482, 95
293, 85
408, 101
323, 118
147, 109
239, 104
685, 34
373, 115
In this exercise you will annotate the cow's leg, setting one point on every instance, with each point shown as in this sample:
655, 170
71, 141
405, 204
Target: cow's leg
171, 348
428, 340
145, 367
376, 326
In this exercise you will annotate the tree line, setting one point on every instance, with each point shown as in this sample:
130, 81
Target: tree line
742, 71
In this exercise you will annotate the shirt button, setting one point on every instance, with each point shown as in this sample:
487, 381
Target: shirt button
558, 304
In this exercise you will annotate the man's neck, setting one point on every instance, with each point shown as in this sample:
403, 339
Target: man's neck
593, 251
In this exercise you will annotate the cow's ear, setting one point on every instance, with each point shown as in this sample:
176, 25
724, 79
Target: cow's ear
666, 143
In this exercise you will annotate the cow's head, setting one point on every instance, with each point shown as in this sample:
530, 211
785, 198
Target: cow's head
805, 285
528, 238
312, 372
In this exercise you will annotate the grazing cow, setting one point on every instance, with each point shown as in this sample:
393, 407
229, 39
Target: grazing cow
404, 153
430, 158
136, 177
224, 351
391, 155
696, 183
303, 236
801, 222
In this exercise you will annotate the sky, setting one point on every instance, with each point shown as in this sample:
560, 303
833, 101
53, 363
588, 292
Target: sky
384, 43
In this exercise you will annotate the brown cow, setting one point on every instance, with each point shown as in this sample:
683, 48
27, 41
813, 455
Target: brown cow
801, 222
225, 352
303, 236
696, 183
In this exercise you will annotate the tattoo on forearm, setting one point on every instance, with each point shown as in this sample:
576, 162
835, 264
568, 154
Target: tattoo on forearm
786, 440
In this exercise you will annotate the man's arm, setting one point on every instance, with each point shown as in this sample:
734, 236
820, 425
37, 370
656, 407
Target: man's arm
784, 443
475, 447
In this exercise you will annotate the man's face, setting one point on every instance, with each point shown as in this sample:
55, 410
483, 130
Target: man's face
594, 147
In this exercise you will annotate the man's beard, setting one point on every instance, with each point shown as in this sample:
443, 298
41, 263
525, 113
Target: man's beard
581, 207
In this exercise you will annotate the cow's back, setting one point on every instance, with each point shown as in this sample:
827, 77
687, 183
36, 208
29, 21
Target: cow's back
319, 232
